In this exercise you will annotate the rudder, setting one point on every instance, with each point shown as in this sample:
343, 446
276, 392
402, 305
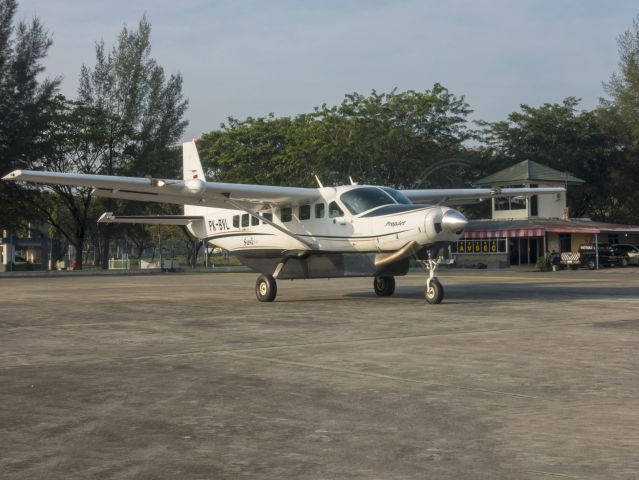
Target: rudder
192, 167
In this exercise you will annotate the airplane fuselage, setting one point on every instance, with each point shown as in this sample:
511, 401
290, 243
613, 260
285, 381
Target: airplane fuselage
331, 225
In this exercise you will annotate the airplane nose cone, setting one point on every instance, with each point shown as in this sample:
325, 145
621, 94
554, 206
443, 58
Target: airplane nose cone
453, 221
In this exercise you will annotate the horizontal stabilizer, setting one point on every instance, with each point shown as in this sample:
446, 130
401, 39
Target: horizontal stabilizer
108, 217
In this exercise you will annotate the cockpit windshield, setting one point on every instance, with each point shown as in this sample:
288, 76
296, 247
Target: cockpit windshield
397, 195
362, 199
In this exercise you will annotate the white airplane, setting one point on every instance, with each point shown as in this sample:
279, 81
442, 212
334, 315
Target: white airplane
294, 233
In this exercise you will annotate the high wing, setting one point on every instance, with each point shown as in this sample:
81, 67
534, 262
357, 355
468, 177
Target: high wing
182, 192
464, 196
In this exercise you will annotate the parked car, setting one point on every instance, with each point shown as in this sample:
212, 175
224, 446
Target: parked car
587, 257
631, 251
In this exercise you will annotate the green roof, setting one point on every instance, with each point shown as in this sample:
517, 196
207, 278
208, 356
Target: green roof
528, 172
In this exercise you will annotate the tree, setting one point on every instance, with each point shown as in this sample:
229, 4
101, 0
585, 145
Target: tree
621, 113
80, 139
25, 105
399, 139
143, 109
561, 137
402, 139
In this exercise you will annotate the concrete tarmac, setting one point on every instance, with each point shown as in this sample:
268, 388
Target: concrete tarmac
517, 375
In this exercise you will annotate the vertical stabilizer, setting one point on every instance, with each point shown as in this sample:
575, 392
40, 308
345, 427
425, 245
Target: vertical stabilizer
192, 168
191, 162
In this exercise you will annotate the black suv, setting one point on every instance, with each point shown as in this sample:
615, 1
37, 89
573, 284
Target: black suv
608, 257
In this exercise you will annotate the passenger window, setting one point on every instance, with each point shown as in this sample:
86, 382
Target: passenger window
268, 216
286, 214
254, 221
319, 210
245, 220
334, 210
304, 212
236, 221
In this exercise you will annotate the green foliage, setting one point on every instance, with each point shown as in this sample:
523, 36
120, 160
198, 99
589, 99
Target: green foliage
388, 138
143, 109
621, 111
561, 137
544, 264
78, 138
25, 101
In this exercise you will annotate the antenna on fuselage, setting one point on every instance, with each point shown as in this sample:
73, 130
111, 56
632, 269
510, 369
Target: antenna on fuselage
318, 182
352, 181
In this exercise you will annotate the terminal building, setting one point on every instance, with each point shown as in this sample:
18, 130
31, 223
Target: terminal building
521, 230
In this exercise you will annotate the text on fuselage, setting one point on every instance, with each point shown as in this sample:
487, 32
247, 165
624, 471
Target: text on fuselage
219, 224
397, 223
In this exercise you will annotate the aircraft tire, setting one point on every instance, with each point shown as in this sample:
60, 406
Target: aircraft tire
435, 293
384, 286
265, 288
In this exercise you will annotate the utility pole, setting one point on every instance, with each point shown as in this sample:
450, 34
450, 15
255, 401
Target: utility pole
160, 244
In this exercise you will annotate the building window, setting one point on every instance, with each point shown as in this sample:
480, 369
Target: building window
245, 220
334, 210
236, 221
286, 214
565, 242
510, 203
613, 238
304, 212
534, 202
320, 210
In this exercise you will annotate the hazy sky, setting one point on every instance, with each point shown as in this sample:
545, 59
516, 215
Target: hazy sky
252, 57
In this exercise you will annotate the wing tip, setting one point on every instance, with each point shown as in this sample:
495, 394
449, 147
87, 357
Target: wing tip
12, 175
106, 217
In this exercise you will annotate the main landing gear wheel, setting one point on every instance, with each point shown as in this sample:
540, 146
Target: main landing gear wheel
434, 292
384, 286
265, 288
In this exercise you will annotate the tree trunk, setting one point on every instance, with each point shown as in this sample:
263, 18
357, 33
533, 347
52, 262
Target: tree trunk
106, 238
140, 248
79, 246
106, 246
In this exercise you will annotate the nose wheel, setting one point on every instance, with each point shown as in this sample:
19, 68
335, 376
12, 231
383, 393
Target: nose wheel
434, 291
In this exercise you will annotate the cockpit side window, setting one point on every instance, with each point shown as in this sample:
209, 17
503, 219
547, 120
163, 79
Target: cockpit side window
334, 211
398, 196
362, 199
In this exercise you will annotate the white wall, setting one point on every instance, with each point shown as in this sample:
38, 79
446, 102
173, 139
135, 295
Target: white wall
549, 206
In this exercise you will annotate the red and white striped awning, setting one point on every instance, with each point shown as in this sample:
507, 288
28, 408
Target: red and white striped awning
518, 232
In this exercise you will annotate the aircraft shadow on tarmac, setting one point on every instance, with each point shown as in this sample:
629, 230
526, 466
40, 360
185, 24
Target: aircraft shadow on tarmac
517, 291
